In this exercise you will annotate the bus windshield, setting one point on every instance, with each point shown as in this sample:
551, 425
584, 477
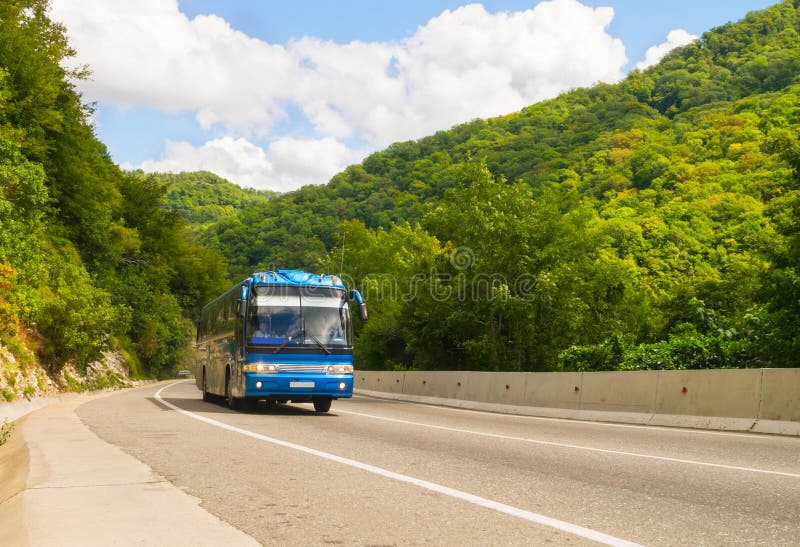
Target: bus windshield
306, 316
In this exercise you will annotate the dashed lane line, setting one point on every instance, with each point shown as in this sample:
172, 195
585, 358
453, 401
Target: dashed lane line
572, 446
550, 522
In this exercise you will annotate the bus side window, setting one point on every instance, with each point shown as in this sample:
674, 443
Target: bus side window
255, 328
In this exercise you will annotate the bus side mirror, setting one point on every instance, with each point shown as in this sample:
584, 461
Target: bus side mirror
362, 306
240, 303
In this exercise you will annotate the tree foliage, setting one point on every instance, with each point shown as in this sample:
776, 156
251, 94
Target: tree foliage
203, 198
90, 258
624, 209
647, 224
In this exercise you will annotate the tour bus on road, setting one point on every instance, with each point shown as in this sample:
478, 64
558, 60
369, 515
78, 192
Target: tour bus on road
281, 336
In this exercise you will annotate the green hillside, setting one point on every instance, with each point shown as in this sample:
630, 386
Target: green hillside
90, 260
647, 224
203, 198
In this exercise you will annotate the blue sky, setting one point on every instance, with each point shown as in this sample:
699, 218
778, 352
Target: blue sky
272, 96
640, 23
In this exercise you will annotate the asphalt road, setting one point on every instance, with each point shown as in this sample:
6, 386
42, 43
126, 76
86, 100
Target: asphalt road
377, 472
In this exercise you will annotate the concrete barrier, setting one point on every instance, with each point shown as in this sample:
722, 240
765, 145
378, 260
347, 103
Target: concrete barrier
379, 380
618, 391
780, 394
728, 393
761, 400
441, 383
779, 411
553, 389
496, 387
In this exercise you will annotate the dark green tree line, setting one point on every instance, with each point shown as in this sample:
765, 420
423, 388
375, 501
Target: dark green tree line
91, 258
656, 219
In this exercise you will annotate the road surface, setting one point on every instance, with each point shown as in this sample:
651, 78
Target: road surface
377, 472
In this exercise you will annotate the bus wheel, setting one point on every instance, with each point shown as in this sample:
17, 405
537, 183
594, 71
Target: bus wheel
249, 404
322, 404
234, 403
206, 395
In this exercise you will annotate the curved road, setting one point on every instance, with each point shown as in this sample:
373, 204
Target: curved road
377, 472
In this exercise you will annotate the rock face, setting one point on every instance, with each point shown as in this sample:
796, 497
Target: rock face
109, 372
22, 379
29, 379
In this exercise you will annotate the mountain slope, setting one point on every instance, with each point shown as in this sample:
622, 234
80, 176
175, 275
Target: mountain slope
204, 198
90, 261
655, 218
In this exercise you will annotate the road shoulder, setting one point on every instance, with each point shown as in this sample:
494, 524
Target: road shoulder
63, 485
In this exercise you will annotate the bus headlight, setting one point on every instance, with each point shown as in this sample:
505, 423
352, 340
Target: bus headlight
340, 369
264, 368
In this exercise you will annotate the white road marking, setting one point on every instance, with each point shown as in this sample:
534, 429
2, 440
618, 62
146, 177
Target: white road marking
574, 446
574, 529
670, 429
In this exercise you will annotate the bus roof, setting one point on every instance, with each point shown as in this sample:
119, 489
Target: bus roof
297, 278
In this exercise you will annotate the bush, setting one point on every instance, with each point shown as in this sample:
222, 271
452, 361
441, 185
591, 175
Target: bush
6, 429
693, 351
75, 315
605, 356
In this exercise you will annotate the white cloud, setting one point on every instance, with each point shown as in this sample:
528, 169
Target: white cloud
675, 38
286, 164
463, 64
298, 162
237, 160
147, 53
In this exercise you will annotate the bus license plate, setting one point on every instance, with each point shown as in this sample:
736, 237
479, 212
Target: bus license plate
301, 384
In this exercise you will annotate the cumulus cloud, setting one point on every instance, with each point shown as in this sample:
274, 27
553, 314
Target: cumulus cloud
237, 160
148, 54
675, 38
463, 64
287, 163
298, 162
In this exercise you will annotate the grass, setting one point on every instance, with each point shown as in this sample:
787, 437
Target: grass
6, 428
17, 348
96, 382
73, 384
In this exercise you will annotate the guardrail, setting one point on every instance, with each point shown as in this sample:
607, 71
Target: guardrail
759, 400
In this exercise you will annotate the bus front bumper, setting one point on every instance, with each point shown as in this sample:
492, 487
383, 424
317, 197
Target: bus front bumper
298, 386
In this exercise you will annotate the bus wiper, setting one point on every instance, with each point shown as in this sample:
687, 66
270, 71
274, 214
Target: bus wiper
320, 344
286, 342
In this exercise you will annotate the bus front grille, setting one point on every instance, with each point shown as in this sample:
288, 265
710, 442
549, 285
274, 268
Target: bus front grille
302, 368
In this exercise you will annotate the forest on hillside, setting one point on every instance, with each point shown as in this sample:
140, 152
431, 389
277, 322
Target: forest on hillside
203, 198
643, 225
90, 259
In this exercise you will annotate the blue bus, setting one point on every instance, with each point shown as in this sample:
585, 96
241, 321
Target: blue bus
282, 336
